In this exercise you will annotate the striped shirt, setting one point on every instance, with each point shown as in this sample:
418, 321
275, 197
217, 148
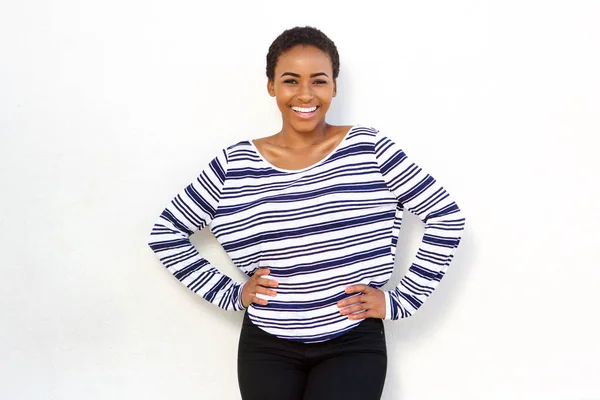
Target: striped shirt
319, 230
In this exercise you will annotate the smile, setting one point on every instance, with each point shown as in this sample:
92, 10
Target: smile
305, 110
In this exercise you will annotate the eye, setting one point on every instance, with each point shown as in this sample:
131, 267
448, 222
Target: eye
320, 82
290, 81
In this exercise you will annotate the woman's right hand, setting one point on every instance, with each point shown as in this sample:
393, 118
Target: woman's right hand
258, 284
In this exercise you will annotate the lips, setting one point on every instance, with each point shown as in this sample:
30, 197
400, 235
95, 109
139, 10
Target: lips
305, 112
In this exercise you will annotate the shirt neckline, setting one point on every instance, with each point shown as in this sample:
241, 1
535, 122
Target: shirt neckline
293, 171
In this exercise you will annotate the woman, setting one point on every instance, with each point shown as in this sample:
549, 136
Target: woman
311, 214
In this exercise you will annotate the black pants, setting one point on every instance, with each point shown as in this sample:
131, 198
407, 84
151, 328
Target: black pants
351, 366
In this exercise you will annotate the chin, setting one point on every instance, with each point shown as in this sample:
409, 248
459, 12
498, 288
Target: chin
306, 126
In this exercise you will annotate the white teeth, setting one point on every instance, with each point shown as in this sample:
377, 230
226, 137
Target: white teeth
304, 110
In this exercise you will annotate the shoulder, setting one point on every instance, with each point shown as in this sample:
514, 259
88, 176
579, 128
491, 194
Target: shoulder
229, 152
364, 133
222, 160
362, 129
377, 141
239, 155
378, 137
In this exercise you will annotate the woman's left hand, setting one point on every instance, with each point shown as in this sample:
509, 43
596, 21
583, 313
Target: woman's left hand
370, 304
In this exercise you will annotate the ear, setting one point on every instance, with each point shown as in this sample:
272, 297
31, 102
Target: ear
271, 88
334, 87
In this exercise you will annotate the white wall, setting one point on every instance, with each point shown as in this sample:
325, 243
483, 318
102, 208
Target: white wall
108, 108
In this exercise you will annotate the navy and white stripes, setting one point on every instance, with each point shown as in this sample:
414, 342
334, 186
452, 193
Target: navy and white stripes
318, 230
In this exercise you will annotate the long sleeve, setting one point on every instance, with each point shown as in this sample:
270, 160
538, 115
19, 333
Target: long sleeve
423, 196
189, 211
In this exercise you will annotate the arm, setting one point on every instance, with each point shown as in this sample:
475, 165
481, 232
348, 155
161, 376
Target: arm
423, 196
191, 210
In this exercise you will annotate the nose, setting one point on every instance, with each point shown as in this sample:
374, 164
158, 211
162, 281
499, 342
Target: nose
305, 93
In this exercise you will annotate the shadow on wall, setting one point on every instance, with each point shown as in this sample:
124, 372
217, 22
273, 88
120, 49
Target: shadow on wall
436, 309
338, 113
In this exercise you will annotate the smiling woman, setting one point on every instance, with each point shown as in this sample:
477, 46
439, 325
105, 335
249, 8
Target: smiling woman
303, 81
303, 84
312, 215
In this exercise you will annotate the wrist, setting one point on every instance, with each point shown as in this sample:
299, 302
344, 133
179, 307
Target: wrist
388, 306
240, 297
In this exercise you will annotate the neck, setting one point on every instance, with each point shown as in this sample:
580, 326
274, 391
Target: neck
291, 138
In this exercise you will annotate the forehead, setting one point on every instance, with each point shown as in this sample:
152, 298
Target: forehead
304, 58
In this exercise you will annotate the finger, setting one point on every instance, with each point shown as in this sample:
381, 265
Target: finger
352, 300
267, 282
258, 300
353, 309
357, 288
265, 291
260, 272
360, 315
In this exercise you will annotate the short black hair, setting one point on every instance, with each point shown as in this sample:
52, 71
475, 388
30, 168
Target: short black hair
306, 36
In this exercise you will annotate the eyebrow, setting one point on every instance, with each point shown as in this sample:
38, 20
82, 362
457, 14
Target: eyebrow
298, 75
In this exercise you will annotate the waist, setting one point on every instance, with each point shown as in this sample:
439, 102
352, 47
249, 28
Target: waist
307, 326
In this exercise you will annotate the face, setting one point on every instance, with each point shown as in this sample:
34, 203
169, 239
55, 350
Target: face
303, 86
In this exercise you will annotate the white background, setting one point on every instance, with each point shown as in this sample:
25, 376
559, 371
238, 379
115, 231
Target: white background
108, 108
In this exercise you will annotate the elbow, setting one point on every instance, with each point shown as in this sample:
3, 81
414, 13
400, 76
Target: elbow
456, 217
152, 240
